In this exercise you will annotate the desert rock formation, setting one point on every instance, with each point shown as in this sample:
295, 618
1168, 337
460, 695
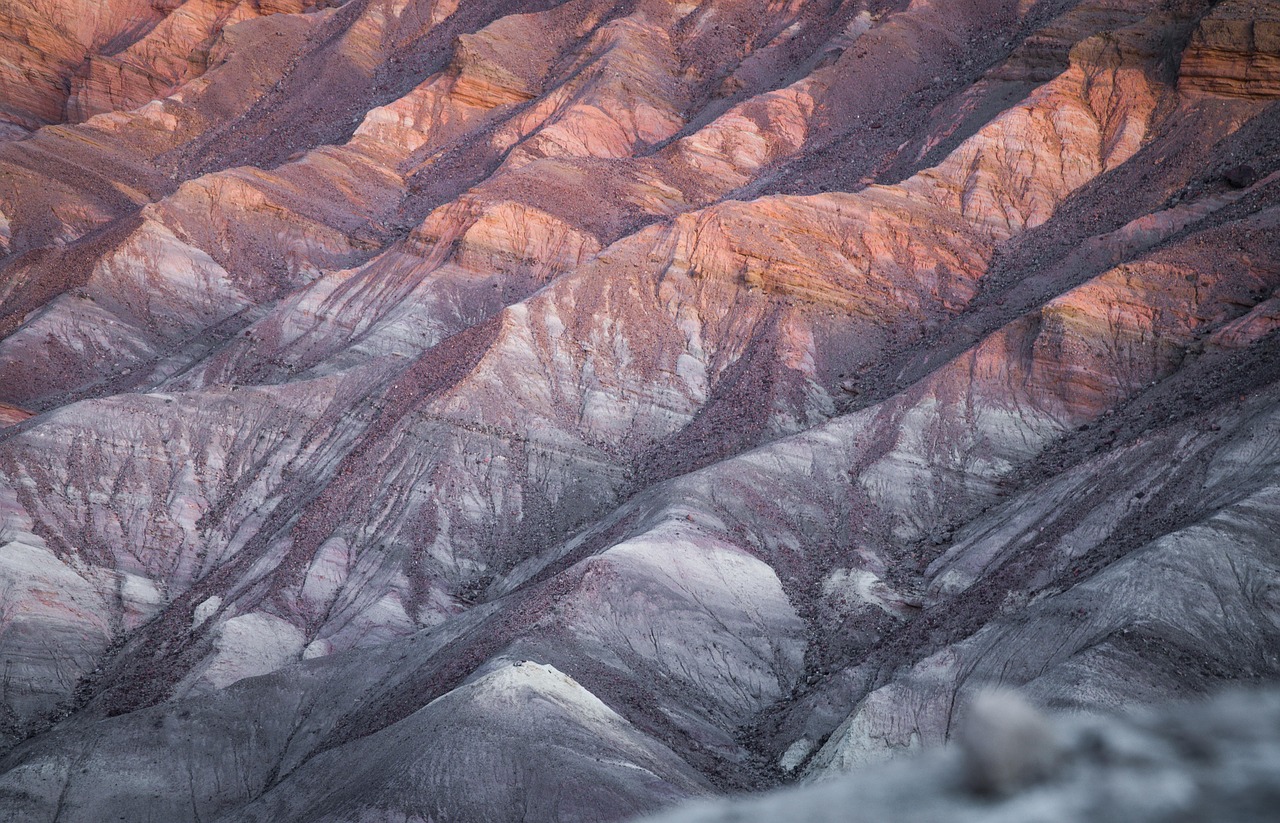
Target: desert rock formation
662, 398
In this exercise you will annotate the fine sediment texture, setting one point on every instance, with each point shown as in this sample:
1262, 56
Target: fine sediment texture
533, 410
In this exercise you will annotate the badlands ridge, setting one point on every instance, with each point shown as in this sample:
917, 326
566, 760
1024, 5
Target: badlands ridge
514, 410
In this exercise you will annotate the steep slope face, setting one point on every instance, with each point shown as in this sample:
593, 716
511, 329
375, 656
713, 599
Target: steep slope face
65, 62
44, 43
662, 398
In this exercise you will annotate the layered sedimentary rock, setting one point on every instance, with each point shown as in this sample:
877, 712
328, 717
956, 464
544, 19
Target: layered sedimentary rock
43, 44
661, 398
1235, 51
66, 62
182, 46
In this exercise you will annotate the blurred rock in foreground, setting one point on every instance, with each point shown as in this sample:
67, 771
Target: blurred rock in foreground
1212, 761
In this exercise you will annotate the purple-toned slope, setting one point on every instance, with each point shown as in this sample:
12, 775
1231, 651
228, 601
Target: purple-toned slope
551, 411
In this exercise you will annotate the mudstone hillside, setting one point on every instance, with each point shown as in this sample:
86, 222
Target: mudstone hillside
505, 410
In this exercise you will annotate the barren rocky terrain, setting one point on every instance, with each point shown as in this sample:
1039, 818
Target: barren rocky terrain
1184, 761
422, 410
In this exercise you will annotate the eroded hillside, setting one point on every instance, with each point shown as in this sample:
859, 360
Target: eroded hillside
420, 410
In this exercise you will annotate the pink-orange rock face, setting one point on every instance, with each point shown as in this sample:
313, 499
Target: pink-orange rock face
64, 62
576, 385
1235, 52
42, 43
12, 414
180, 47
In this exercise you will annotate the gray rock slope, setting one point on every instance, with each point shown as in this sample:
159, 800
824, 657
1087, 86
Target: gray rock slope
1212, 760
